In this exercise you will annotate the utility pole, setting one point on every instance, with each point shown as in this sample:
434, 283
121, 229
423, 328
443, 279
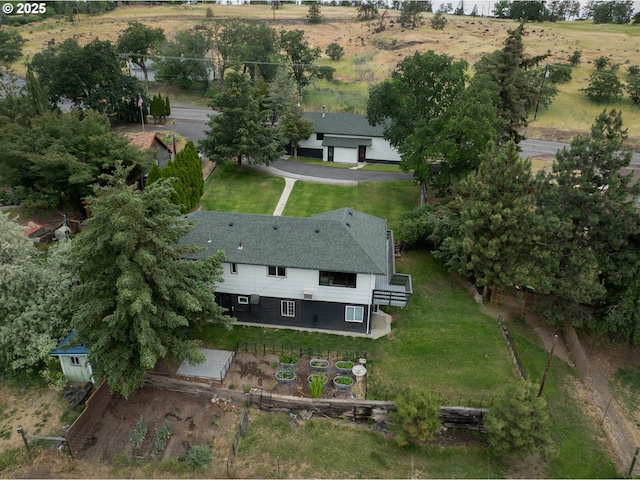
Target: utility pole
140, 103
546, 369
546, 75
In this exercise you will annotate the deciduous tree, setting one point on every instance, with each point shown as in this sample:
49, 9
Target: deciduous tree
32, 300
140, 41
138, 292
300, 59
10, 47
91, 76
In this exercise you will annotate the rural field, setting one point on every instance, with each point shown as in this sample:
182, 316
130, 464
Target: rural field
442, 341
464, 37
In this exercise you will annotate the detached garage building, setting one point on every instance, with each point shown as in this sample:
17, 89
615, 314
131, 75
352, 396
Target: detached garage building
346, 138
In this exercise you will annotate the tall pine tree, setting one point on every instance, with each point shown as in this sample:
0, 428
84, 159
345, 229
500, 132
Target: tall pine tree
137, 294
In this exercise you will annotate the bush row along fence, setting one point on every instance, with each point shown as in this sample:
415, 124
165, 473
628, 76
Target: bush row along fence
301, 352
241, 430
512, 348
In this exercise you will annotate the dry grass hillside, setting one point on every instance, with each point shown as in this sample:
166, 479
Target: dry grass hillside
465, 38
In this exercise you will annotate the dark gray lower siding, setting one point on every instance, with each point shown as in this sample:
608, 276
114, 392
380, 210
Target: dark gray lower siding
310, 152
308, 314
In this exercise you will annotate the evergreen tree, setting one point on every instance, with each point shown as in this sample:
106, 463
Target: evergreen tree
314, 16
281, 96
633, 83
137, 293
295, 127
519, 86
499, 237
239, 131
587, 204
518, 424
167, 107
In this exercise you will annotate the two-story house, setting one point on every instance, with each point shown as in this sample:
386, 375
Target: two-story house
330, 271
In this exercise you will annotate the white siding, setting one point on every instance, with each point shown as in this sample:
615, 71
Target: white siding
76, 373
380, 149
311, 142
253, 280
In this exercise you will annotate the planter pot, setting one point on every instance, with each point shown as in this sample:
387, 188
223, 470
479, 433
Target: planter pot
286, 377
288, 362
344, 368
343, 387
319, 365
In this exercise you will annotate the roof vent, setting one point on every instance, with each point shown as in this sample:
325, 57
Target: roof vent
348, 224
350, 213
239, 245
275, 227
317, 230
231, 224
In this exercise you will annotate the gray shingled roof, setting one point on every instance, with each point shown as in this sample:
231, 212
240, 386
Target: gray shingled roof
343, 240
343, 124
345, 142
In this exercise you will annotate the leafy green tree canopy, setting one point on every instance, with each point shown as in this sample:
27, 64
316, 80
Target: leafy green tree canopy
91, 76
140, 41
33, 286
56, 157
137, 292
11, 43
300, 59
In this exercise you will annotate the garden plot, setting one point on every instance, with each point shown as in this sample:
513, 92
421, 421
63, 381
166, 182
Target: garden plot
192, 420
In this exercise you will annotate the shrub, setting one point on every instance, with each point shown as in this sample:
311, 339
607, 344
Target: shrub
138, 435
417, 417
334, 51
161, 438
518, 424
290, 359
199, 456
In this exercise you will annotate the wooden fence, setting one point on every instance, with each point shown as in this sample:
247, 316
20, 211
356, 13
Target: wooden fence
302, 352
512, 348
573, 344
79, 432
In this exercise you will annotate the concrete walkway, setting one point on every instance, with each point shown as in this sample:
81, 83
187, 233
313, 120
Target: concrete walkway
288, 186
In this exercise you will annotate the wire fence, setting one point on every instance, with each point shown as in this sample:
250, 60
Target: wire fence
301, 352
241, 430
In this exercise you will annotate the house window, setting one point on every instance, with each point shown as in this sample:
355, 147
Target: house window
233, 268
243, 300
319, 136
354, 314
75, 361
273, 271
338, 279
288, 308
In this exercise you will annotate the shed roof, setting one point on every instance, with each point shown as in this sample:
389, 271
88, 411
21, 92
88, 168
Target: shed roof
344, 124
343, 240
64, 347
345, 142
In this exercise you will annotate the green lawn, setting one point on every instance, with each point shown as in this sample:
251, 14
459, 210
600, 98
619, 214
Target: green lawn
578, 438
276, 447
383, 199
228, 190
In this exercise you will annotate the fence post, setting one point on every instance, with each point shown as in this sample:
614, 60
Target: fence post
24, 438
633, 462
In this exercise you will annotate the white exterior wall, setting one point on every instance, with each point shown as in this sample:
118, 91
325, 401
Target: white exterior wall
82, 373
380, 149
253, 280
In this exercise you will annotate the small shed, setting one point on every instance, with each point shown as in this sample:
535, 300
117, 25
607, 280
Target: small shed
74, 360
